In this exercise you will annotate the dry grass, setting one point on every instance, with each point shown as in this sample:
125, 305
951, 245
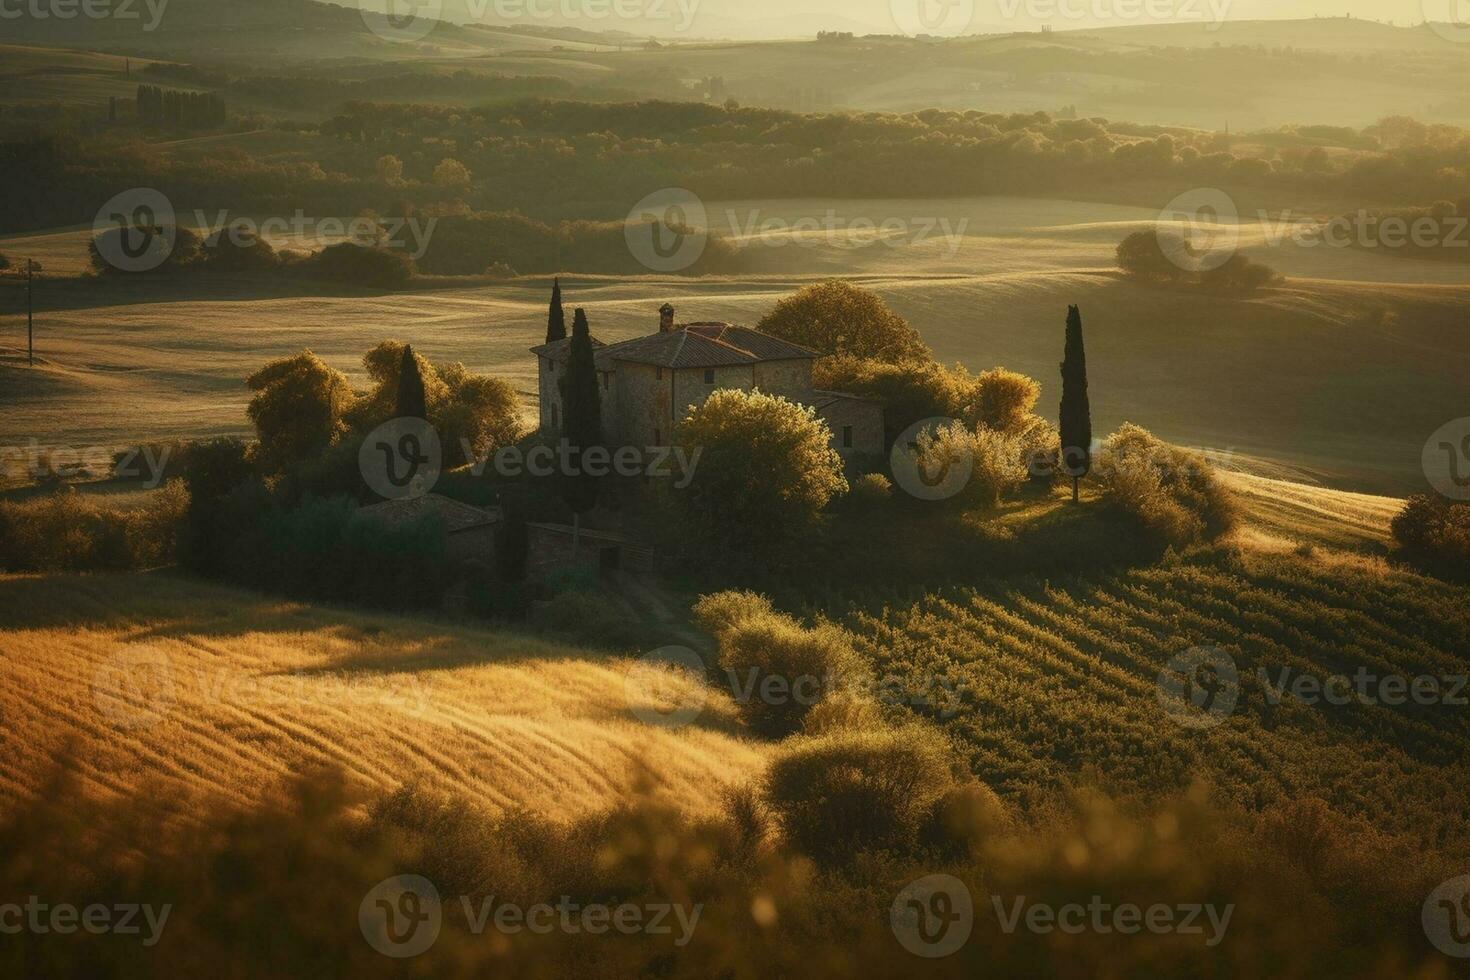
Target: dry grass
253, 690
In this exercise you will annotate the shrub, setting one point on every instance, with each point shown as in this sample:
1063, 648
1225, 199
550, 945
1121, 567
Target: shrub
997, 461
363, 265
765, 471
1149, 256
836, 317
590, 619
163, 248
850, 791
239, 249
779, 669
871, 491
1172, 492
71, 531
909, 391
721, 612
297, 409
1239, 274
1434, 532
1003, 400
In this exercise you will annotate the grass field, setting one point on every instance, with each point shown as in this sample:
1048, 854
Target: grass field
223, 692
1341, 373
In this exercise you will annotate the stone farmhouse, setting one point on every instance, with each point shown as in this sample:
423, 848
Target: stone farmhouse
649, 383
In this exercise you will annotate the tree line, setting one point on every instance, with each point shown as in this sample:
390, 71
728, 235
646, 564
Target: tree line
182, 110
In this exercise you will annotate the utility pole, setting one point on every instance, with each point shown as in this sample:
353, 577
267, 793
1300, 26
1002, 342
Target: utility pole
30, 315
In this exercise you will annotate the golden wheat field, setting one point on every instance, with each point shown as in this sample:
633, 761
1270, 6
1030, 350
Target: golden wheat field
149, 676
152, 677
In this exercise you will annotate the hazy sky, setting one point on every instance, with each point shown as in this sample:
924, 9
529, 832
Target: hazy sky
786, 18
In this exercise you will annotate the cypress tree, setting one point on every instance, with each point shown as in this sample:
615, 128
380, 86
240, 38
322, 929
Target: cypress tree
410, 404
556, 320
582, 408
1076, 415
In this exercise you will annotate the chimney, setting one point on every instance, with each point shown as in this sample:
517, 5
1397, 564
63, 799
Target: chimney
666, 318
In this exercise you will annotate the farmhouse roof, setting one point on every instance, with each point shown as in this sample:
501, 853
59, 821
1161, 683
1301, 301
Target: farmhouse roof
408, 511
697, 345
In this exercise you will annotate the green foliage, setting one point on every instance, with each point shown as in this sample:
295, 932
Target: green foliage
996, 461
720, 612
68, 531
765, 471
162, 248
298, 409
581, 398
848, 791
1004, 400
836, 317
1172, 492
1239, 274
1156, 257
410, 401
778, 669
909, 391
871, 491
1076, 413
239, 249
1435, 532
556, 317
363, 265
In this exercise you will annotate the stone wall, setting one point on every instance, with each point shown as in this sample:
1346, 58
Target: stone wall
865, 420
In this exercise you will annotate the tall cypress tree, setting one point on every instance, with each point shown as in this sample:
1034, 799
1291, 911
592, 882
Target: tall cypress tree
582, 411
1076, 414
556, 320
411, 399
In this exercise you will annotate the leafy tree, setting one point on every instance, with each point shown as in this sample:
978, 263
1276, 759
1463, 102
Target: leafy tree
411, 402
1004, 400
1076, 413
836, 317
239, 249
582, 405
556, 319
1239, 274
452, 174
1149, 256
765, 470
389, 169
909, 391
297, 409
163, 248
364, 265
